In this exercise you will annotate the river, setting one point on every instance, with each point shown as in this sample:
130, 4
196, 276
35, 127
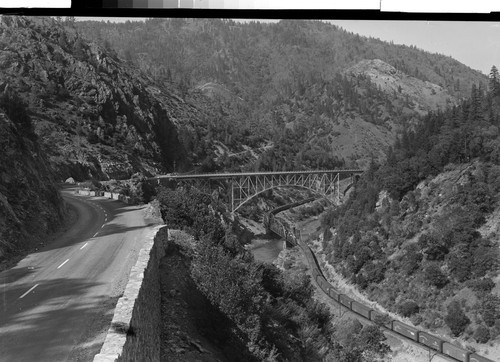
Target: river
266, 250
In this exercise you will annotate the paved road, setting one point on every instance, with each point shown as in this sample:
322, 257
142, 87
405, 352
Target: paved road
56, 304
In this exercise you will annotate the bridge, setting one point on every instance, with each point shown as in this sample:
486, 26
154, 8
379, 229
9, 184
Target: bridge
244, 186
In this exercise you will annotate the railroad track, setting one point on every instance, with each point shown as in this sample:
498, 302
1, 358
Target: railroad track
438, 345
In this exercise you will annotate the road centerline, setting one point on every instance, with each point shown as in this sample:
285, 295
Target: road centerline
31, 289
85, 245
63, 263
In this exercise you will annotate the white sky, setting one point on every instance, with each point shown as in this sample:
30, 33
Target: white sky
476, 44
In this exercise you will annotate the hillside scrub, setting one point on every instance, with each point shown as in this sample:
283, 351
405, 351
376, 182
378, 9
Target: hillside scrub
274, 312
411, 230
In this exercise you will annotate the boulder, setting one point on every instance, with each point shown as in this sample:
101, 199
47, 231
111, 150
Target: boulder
70, 180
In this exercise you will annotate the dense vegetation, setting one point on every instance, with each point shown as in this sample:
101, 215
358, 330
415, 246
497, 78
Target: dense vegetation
274, 313
414, 234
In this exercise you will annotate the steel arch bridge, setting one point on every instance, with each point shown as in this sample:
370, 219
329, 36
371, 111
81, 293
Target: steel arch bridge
245, 186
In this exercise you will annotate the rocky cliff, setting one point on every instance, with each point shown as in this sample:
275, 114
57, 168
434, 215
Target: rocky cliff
30, 204
95, 116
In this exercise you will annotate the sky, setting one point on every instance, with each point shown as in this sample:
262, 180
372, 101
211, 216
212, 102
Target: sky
476, 44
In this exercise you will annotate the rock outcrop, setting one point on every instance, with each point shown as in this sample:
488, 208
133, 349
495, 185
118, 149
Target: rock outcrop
420, 96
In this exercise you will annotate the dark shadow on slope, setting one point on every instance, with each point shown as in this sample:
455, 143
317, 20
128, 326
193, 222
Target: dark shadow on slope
110, 229
11, 275
46, 323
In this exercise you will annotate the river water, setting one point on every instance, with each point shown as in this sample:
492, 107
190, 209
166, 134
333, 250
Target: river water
266, 250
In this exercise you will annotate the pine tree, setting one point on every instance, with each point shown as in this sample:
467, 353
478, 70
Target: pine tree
456, 318
494, 81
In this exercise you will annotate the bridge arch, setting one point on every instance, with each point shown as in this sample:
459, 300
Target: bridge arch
275, 187
245, 188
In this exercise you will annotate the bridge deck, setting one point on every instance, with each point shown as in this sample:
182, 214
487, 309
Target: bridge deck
249, 174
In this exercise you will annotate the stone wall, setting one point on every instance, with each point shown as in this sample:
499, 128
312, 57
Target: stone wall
134, 334
109, 195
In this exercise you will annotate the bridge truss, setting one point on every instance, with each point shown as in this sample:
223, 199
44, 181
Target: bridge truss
244, 188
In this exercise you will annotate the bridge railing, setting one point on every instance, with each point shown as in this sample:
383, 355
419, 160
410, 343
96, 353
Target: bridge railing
239, 174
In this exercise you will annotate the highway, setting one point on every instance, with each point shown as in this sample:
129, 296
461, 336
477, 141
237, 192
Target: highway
56, 304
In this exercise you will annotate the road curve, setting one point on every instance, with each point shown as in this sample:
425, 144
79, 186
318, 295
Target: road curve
56, 304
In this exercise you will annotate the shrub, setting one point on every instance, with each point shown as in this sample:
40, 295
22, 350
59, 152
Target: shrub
456, 319
482, 334
481, 285
407, 308
411, 260
381, 320
434, 249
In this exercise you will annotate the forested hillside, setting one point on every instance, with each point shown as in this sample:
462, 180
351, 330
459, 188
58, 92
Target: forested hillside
420, 232
322, 96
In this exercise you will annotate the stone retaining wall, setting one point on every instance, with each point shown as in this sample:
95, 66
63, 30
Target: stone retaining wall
134, 334
109, 195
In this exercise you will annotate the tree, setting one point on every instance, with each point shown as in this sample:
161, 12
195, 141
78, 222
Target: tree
16, 110
494, 81
371, 340
456, 319
482, 334
490, 309
360, 343
78, 49
460, 262
191, 210
434, 275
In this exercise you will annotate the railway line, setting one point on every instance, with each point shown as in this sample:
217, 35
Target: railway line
438, 345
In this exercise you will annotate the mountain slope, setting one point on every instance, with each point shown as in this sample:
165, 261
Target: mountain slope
95, 116
419, 233
302, 76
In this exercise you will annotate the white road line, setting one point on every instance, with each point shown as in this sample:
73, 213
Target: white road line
25, 294
85, 244
63, 263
